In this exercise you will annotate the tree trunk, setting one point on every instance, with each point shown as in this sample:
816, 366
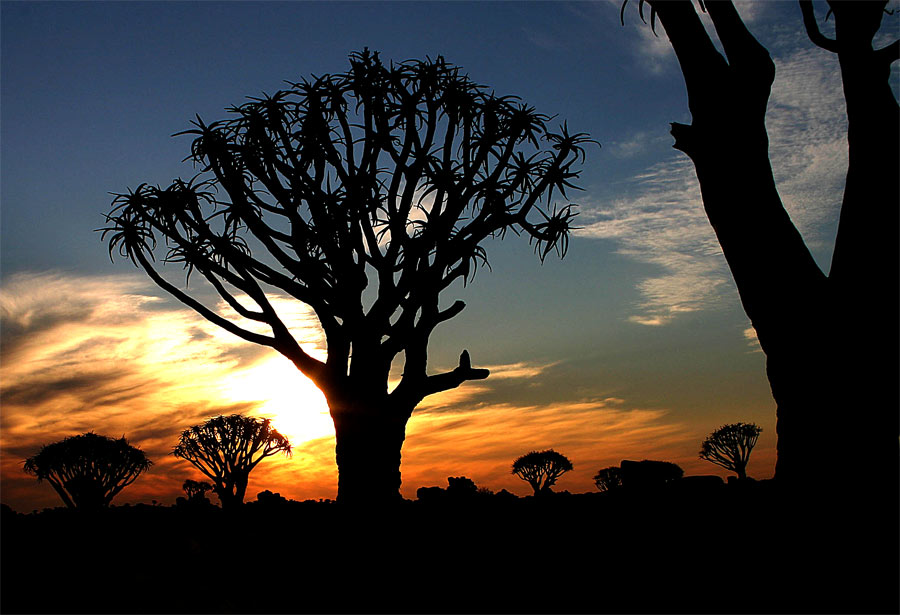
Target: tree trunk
231, 496
369, 440
830, 342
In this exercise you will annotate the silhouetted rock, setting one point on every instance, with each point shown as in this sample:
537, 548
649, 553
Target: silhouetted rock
647, 473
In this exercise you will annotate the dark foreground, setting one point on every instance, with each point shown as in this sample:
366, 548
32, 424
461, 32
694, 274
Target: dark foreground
737, 549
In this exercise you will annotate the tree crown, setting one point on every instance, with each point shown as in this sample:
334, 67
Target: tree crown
387, 173
730, 445
88, 469
540, 469
225, 446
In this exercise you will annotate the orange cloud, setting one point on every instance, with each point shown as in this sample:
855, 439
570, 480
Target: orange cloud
107, 354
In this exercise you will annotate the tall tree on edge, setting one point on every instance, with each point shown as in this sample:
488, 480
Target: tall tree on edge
831, 341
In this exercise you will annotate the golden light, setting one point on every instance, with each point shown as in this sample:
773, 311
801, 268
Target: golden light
297, 408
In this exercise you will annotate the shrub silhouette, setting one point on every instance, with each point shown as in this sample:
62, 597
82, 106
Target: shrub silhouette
89, 470
386, 175
227, 448
609, 478
461, 486
730, 445
196, 490
649, 473
541, 469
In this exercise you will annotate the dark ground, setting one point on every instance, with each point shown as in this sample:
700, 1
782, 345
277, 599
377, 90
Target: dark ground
734, 549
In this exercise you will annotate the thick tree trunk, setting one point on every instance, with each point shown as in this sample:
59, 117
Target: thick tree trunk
232, 496
369, 440
830, 342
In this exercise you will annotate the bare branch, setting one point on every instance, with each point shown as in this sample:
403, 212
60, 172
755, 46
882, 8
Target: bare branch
812, 28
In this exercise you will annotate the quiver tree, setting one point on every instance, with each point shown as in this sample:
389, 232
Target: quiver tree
541, 469
609, 478
385, 176
730, 445
196, 490
830, 339
89, 470
226, 449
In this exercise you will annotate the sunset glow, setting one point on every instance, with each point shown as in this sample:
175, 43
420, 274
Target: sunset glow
297, 408
635, 346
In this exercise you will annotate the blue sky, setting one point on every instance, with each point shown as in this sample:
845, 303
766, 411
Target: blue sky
640, 317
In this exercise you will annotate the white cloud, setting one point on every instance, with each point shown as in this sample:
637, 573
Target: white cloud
662, 223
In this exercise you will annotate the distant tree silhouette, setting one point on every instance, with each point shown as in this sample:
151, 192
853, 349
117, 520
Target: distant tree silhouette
385, 176
196, 490
730, 445
609, 478
227, 448
649, 473
830, 340
461, 486
541, 469
89, 470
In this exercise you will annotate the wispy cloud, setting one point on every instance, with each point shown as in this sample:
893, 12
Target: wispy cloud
109, 355
661, 220
106, 354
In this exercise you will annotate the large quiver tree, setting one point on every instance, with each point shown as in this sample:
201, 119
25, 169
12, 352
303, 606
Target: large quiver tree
830, 340
89, 470
385, 175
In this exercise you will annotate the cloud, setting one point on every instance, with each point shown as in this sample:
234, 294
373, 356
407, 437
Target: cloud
752, 339
482, 443
651, 48
127, 363
660, 221
104, 353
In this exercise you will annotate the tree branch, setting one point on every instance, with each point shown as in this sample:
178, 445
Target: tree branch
812, 28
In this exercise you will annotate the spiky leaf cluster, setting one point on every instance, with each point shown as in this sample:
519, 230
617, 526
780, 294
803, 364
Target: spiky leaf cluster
389, 173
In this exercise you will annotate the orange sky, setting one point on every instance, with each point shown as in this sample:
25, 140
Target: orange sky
105, 353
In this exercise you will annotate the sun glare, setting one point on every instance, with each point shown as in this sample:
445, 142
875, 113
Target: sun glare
297, 408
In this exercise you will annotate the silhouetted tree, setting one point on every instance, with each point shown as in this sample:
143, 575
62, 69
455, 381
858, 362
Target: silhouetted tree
729, 446
89, 470
391, 176
196, 490
830, 340
609, 478
541, 469
227, 448
649, 473
461, 486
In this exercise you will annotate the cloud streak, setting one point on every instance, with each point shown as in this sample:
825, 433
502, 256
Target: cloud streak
113, 358
661, 221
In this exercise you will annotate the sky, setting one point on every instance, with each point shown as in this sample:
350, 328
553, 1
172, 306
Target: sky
634, 346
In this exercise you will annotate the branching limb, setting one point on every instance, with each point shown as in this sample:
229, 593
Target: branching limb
812, 28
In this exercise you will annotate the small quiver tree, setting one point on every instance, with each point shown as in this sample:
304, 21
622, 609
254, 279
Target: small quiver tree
608, 479
227, 448
196, 490
364, 195
730, 445
89, 470
541, 469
